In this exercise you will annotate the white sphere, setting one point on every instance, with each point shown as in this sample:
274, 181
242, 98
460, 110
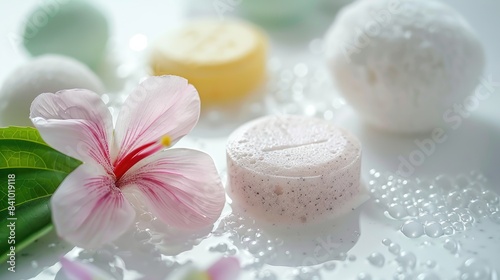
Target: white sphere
48, 73
403, 63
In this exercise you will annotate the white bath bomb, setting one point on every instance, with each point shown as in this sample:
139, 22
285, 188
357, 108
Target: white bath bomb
49, 73
293, 169
402, 64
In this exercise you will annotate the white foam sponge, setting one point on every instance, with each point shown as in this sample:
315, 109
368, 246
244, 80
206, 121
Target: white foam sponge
48, 73
293, 169
402, 63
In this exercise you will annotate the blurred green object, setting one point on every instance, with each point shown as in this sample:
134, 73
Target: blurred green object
277, 12
74, 28
333, 6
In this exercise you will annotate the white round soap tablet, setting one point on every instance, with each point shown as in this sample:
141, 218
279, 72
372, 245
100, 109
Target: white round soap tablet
403, 64
293, 169
48, 73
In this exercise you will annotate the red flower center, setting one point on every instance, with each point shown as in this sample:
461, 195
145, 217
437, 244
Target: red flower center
123, 165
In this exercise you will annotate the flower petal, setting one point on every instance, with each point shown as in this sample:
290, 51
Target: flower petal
225, 269
88, 210
81, 271
195, 275
165, 105
180, 186
75, 122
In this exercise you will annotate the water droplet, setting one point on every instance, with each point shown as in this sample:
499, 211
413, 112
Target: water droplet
394, 248
34, 264
443, 206
232, 252
453, 217
412, 210
266, 275
221, 247
407, 259
428, 276
490, 197
447, 228
386, 241
376, 259
426, 219
478, 208
444, 183
492, 209
307, 273
278, 242
433, 230
440, 217
473, 269
412, 229
300, 70
470, 194
421, 194
254, 247
364, 276
495, 217
397, 211
458, 226
451, 246
431, 264
329, 266
468, 225
429, 207
85, 254
454, 199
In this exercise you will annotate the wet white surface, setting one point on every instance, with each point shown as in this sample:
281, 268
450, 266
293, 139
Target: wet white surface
369, 243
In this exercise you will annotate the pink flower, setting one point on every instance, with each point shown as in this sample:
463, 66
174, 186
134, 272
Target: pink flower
223, 269
180, 186
83, 271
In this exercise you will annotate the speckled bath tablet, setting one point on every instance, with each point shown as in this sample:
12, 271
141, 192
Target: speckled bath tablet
293, 169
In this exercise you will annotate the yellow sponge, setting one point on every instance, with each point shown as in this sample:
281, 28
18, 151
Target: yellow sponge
224, 60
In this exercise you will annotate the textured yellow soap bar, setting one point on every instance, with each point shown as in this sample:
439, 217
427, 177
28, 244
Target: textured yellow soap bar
224, 60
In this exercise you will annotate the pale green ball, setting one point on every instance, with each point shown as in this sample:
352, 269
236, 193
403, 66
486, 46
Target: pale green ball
277, 12
73, 28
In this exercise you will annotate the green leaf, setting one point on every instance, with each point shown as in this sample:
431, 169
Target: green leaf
30, 172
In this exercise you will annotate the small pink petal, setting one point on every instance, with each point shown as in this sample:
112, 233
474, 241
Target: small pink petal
225, 269
88, 210
180, 186
75, 122
165, 105
80, 271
